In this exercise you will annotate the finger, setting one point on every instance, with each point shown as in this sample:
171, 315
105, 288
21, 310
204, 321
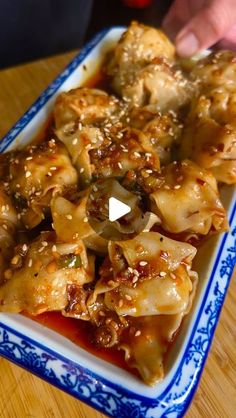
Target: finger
229, 41
231, 35
179, 14
176, 17
206, 28
225, 44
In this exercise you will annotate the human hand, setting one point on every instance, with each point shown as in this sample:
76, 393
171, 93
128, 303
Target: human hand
198, 24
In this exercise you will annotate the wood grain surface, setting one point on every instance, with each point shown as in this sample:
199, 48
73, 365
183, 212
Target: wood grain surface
23, 395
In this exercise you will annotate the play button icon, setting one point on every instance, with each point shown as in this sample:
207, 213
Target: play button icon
117, 209
113, 212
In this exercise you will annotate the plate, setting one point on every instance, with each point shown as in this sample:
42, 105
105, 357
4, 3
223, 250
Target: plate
57, 360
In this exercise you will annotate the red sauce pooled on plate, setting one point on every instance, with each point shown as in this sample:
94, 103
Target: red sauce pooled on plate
80, 332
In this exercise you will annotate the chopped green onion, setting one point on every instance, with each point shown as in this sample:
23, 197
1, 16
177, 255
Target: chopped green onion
71, 261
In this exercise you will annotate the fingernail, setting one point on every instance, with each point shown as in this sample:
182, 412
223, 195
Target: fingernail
187, 44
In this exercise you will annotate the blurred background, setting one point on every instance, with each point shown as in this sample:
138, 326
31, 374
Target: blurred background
32, 29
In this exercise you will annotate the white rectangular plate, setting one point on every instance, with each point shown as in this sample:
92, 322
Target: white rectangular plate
104, 386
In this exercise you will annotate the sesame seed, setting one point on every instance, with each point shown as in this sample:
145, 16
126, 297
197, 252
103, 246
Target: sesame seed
30, 262
136, 154
53, 168
28, 174
25, 248
69, 217
54, 248
95, 189
101, 313
149, 171
136, 273
177, 186
137, 333
49, 174
162, 274
75, 140
119, 165
130, 269
121, 302
143, 263
172, 275
41, 249
135, 279
85, 219
128, 297
81, 170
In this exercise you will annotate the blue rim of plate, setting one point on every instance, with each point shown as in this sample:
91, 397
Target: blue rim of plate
98, 392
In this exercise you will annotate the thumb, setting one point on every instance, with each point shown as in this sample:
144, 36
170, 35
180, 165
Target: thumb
206, 28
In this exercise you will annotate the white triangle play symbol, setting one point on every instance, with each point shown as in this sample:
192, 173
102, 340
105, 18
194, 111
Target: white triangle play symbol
117, 209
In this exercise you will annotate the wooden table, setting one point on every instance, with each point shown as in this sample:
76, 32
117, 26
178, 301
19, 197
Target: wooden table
23, 395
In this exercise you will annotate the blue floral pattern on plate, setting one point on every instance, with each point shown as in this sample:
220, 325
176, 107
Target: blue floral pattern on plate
85, 385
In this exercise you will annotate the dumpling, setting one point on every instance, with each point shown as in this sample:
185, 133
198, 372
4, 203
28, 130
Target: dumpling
146, 286
83, 105
187, 199
138, 46
80, 141
209, 136
216, 70
108, 151
163, 130
40, 279
146, 342
159, 85
148, 275
143, 71
36, 174
71, 222
87, 218
129, 149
